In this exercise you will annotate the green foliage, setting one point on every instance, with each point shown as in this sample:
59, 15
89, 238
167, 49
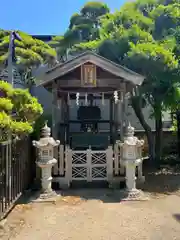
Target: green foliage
25, 106
85, 46
5, 104
19, 111
166, 17
39, 123
133, 38
6, 89
170, 159
152, 55
30, 52
174, 126
19, 127
94, 10
5, 120
83, 27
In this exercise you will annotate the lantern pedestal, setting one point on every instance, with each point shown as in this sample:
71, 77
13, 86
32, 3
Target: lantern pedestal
130, 175
131, 193
46, 179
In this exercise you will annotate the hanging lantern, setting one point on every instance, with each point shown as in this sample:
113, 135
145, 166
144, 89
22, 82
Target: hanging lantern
116, 96
102, 98
77, 99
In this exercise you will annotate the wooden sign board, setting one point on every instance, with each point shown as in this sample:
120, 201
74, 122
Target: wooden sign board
88, 75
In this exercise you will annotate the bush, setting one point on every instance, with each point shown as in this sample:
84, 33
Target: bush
18, 111
39, 124
170, 160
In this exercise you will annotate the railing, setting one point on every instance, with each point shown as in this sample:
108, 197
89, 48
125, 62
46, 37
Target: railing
16, 172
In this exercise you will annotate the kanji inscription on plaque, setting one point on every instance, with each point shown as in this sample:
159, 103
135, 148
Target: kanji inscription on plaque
88, 75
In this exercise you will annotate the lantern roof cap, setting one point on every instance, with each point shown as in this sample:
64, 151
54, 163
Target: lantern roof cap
46, 140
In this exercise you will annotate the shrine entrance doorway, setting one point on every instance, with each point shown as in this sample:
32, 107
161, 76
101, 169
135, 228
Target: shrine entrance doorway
89, 165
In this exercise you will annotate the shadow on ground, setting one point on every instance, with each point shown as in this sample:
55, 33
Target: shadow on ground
177, 217
101, 194
163, 181
158, 182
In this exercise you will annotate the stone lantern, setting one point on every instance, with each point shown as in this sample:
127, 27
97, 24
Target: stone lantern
46, 160
130, 160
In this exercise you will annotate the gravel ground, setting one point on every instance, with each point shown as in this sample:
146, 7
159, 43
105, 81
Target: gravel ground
97, 216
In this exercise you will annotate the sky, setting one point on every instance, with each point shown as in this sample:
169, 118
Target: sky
43, 16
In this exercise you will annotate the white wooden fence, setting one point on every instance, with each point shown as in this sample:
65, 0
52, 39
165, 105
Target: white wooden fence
89, 165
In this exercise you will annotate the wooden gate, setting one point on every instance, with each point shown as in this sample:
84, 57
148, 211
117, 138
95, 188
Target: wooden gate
90, 165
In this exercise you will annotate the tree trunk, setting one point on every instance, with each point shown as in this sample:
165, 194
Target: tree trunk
158, 134
138, 111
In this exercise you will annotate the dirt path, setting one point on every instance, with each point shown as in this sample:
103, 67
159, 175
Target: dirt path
100, 216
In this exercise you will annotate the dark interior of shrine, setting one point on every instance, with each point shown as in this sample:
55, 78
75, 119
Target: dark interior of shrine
89, 117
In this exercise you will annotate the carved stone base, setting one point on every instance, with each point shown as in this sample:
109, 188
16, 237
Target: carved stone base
49, 196
133, 195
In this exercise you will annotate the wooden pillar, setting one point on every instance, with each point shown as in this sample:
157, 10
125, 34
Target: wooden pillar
109, 156
116, 120
123, 119
119, 116
67, 121
54, 110
126, 102
123, 110
111, 118
54, 124
68, 159
62, 129
61, 147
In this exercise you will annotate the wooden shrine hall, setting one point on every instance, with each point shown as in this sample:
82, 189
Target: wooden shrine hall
90, 99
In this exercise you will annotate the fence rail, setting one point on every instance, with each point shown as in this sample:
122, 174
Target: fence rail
16, 172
